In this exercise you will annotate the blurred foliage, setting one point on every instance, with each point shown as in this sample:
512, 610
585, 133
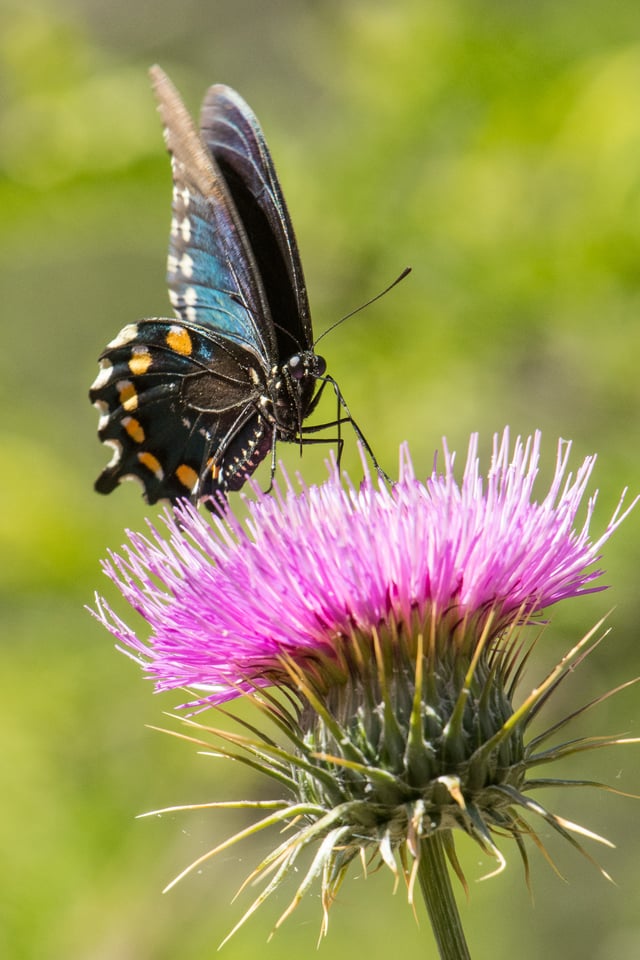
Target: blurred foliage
494, 147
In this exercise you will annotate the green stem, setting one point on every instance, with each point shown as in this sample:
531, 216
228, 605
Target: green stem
440, 901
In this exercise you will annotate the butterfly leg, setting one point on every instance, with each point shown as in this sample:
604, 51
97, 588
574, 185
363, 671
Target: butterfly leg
274, 442
343, 416
305, 440
342, 403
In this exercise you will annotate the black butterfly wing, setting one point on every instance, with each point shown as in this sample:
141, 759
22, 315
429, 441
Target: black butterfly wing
235, 140
176, 407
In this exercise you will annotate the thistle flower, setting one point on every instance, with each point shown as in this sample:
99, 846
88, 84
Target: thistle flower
381, 631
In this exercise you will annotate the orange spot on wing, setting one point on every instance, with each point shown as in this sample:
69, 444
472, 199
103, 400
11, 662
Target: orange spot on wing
179, 340
140, 361
127, 395
152, 464
214, 468
133, 428
187, 476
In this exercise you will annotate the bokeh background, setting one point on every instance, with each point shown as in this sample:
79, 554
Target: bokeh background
495, 147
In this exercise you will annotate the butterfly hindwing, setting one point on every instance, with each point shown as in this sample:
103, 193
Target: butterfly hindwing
173, 403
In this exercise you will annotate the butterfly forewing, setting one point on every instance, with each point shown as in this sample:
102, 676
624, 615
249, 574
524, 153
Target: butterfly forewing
211, 271
233, 135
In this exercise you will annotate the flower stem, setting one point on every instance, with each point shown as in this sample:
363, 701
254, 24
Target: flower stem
440, 901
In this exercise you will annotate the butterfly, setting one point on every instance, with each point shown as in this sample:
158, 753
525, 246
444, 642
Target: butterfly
192, 405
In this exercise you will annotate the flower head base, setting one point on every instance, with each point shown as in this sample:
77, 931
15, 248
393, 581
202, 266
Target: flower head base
390, 624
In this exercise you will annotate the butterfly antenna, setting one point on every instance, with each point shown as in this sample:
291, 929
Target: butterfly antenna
405, 273
288, 333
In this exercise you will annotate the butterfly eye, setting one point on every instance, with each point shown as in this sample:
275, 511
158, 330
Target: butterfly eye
320, 367
297, 367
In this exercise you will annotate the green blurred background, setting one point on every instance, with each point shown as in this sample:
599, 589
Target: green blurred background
494, 147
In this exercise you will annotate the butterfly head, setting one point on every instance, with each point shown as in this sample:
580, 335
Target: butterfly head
306, 364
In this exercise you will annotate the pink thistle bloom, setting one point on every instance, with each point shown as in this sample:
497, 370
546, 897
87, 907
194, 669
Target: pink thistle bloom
226, 601
392, 619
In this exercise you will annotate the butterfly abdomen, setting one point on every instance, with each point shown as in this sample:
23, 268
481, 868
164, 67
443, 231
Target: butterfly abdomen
246, 452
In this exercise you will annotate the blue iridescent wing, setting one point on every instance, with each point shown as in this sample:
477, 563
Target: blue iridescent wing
235, 140
211, 270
